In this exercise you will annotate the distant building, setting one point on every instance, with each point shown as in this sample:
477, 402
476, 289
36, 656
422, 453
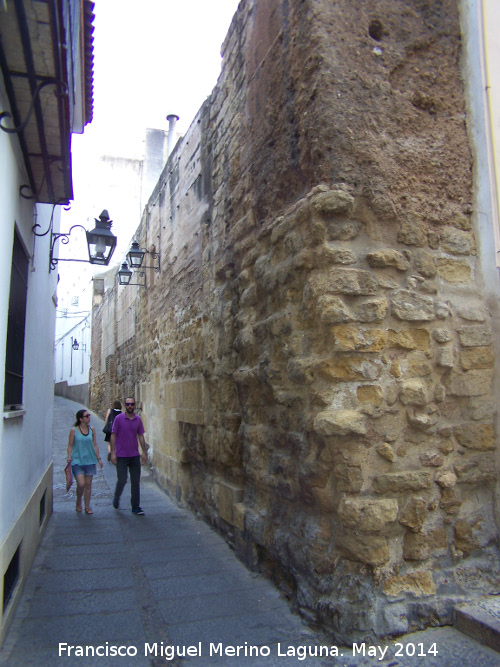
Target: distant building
122, 184
46, 58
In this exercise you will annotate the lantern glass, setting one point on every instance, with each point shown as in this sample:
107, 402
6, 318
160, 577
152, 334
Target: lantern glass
135, 256
124, 274
101, 241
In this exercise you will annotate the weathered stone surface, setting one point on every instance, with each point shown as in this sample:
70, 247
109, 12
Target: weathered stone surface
419, 546
457, 242
354, 282
423, 421
477, 357
413, 232
333, 202
454, 270
370, 394
416, 547
349, 338
424, 263
413, 514
412, 480
450, 503
320, 290
414, 392
342, 368
367, 513
475, 436
442, 335
407, 305
446, 357
465, 539
388, 258
471, 383
446, 479
340, 422
472, 312
420, 584
333, 309
386, 451
475, 336
369, 549
475, 471
331, 254
409, 339
432, 459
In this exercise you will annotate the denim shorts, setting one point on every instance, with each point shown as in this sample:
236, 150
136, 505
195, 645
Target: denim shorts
88, 470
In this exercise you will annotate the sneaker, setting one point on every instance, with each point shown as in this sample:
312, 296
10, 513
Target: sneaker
116, 504
139, 511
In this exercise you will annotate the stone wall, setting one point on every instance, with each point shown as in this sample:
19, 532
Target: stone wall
75, 392
314, 360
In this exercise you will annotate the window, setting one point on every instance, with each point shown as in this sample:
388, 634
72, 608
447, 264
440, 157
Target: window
42, 507
10, 578
14, 362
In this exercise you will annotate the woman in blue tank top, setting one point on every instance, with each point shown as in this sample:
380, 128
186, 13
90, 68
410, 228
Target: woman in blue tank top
83, 455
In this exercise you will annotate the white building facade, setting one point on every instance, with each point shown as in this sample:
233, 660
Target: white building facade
42, 50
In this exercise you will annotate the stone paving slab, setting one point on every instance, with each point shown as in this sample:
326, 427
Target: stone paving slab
168, 580
481, 621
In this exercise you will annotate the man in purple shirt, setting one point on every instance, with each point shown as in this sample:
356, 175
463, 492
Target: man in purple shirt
127, 430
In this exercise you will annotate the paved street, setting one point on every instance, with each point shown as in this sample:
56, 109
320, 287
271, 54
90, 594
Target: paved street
141, 585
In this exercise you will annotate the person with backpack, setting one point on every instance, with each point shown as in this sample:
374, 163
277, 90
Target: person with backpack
108, 424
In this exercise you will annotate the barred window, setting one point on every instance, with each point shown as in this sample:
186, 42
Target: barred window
14, 362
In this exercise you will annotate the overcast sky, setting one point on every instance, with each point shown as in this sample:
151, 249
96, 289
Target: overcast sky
152, 58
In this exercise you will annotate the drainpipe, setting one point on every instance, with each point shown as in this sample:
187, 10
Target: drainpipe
172, 120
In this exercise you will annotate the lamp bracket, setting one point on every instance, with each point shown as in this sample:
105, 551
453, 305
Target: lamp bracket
54, 237
154, 255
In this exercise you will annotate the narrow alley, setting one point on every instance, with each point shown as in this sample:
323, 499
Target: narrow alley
142, 585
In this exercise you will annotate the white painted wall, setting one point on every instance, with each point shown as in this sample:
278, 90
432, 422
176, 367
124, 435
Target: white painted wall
25, 439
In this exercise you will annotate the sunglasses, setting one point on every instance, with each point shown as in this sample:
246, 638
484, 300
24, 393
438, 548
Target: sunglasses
129, 403
86, 415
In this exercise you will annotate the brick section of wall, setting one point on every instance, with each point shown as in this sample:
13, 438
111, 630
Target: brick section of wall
314, 361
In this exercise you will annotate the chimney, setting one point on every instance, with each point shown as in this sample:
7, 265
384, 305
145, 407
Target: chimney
172, 120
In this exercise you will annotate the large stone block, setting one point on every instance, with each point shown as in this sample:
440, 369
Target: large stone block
409, 339
470, 383
475, 336
369, 549
396, 482
368, 513
420, 584
388, 258
477, 357
476, 436
413, 514
410, 306
340, 422
353, 282
414, 392
457, 241
332, 202
349, 338
454, 270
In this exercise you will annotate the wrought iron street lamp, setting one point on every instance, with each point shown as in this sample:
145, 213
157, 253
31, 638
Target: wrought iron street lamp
101, 241
135, 257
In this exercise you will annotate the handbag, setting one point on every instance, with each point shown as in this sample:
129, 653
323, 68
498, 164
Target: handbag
107, 428
69, 476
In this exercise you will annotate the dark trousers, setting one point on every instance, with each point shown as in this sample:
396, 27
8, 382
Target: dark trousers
132, 463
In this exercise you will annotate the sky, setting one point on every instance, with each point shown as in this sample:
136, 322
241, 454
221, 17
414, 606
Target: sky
152, 58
